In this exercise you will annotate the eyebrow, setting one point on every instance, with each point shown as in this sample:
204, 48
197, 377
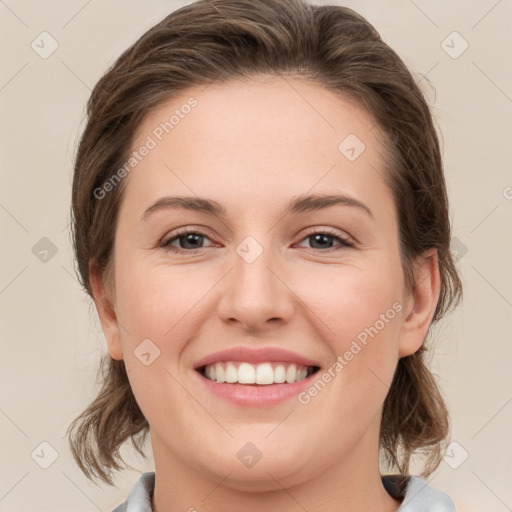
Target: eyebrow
300, 204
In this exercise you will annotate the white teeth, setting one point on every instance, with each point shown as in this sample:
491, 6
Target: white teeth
220, 374
231, 373
246, 374
279, 374
262, 374
291, 374
302, 374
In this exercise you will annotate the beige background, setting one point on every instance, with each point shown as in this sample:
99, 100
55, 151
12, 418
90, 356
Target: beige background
49, 333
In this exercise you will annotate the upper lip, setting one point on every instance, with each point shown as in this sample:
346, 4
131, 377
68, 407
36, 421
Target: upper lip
252, 355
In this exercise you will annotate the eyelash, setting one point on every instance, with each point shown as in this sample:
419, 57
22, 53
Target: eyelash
166, 244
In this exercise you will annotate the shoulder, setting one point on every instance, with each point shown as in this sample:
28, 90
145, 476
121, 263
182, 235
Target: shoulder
417, 495
139, 499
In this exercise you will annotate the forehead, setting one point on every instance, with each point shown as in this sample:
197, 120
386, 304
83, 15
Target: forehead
267, 137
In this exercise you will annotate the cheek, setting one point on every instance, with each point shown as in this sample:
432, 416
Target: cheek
158, 302
158, 310
353, 302
359, 313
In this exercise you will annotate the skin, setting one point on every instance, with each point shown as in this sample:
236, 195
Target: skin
252, 146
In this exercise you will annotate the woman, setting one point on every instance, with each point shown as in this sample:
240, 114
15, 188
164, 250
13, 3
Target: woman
260, 215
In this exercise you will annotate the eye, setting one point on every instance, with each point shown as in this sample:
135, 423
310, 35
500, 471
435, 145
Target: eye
187, 240
323, 239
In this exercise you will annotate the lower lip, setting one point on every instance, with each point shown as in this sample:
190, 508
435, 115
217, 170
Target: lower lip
256, 395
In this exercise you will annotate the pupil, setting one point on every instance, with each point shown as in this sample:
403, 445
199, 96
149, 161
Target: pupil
193, 238
322, 238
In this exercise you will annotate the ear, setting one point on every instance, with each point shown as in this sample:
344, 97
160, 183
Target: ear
422, 304
106, 312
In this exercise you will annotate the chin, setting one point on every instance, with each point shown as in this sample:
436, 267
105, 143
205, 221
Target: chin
264, 476
244, 467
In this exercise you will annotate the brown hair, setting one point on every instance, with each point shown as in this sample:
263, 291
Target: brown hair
219, 40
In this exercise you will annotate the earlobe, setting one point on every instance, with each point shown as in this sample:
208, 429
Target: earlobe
424, 302
106, 312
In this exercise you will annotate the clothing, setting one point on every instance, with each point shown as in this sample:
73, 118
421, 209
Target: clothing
418, 497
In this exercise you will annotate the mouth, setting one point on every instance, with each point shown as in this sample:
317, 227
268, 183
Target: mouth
262, 377
261, 374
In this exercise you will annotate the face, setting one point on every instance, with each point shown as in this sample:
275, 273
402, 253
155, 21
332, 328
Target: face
272, 277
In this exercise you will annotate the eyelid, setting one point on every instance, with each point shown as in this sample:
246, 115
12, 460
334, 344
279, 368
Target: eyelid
165, 242
345, 241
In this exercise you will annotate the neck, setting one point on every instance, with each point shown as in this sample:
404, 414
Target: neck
352, 484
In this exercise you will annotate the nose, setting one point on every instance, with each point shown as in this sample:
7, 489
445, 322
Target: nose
256, 295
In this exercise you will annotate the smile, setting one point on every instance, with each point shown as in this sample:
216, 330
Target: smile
258, 377
262, 374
